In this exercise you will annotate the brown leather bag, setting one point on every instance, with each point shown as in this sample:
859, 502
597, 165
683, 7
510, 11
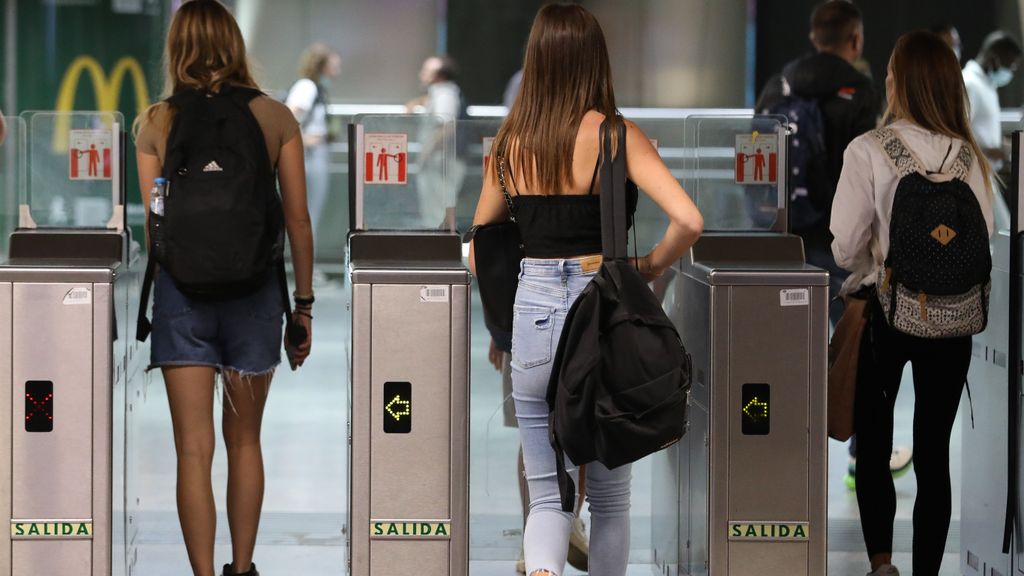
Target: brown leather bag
843, 356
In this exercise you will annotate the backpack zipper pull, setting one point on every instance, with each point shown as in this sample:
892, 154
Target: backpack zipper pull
888, 279
922, 299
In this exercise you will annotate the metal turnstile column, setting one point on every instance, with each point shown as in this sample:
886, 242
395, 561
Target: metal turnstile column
753, 464
410, 412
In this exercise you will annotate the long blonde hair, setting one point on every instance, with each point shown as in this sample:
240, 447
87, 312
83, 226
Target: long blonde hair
204, 51
928, 90
566, 73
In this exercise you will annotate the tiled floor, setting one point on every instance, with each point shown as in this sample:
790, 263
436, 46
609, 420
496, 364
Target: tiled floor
305, 451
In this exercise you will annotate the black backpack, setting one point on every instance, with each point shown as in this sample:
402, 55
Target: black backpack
222, 232
620, 381
810, 186
937, 275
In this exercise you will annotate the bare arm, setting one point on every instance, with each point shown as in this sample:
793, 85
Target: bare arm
3, 128
291, 174
645, 167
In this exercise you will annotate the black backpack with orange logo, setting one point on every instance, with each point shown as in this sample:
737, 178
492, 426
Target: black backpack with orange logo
937, 275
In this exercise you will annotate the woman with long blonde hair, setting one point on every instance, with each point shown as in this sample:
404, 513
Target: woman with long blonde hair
928, 120
238, 337
546, 156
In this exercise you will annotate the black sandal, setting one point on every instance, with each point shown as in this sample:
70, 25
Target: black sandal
230, 571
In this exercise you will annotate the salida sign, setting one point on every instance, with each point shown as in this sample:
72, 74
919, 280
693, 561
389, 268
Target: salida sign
411, 529
36, 530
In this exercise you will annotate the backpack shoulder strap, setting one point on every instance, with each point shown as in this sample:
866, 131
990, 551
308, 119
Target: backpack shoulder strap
961, 168
896, 151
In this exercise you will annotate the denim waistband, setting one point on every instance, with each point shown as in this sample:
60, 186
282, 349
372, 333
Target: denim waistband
557, 267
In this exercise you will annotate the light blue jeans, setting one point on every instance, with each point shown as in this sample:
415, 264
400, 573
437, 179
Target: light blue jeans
547, 289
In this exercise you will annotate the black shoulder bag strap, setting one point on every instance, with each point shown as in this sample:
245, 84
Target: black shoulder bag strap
613, 244
613, 191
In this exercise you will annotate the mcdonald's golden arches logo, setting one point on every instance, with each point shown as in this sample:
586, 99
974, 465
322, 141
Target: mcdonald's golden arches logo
107, 90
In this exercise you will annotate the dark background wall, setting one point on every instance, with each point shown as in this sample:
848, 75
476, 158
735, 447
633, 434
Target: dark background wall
783, 27
487, 40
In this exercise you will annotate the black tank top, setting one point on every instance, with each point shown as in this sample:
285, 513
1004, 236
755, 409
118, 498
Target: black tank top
567, 225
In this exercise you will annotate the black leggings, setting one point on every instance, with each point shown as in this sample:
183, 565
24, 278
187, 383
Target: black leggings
940, 370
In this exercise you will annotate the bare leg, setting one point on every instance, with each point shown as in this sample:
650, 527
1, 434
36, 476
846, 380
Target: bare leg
190, 395
245, 398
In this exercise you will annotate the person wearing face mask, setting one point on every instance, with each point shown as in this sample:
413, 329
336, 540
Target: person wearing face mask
307, 99
991, 70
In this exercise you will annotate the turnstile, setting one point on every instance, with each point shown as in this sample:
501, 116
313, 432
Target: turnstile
66, 363
992, 515
409, 427
752, 468
70, 366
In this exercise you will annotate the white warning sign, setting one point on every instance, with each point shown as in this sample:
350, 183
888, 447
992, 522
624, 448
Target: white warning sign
757, 158
387, 158
90, 155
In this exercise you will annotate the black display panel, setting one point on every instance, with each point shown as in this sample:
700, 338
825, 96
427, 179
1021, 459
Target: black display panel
397, 407
756, 409
39, 406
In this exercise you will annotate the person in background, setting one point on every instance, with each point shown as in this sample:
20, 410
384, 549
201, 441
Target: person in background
849, 107
928, 113
443, 97
319, 66
548, 149
440, 173
512, 89
951, 36
239, 337
992, 69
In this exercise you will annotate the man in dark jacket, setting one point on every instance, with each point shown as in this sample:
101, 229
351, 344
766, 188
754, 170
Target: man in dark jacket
849, 107
848, 102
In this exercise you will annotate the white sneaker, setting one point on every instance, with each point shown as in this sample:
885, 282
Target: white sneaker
885, 570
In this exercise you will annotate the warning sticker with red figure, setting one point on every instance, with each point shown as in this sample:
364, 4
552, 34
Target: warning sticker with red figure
387, 158
757, 158
89, 157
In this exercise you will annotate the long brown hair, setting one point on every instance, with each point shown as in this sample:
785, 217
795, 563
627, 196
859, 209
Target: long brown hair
566, 73
928, 90
204, 51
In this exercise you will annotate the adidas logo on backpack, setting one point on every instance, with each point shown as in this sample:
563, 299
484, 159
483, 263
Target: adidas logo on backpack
212, 167
937, 276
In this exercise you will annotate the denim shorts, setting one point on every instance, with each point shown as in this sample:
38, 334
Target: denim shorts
242, 335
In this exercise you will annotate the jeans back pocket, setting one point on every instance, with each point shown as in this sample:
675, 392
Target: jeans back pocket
532, 335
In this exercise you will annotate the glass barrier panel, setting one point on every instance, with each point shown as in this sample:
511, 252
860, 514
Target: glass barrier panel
12, 175
406, 172
651, 221
75, 168
473, 141
735, 171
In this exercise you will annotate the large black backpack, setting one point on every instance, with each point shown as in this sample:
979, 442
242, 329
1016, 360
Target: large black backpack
222, 232
937, 275
620, 381
810, 186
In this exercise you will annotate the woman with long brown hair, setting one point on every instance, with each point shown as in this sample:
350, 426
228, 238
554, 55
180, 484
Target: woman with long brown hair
546, 156
238, 337
928, 130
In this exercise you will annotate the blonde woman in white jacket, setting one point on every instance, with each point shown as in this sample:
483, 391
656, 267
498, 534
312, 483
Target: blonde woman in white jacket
928, 112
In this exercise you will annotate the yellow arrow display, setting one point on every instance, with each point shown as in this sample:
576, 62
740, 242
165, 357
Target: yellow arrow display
755, 409
399, 408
